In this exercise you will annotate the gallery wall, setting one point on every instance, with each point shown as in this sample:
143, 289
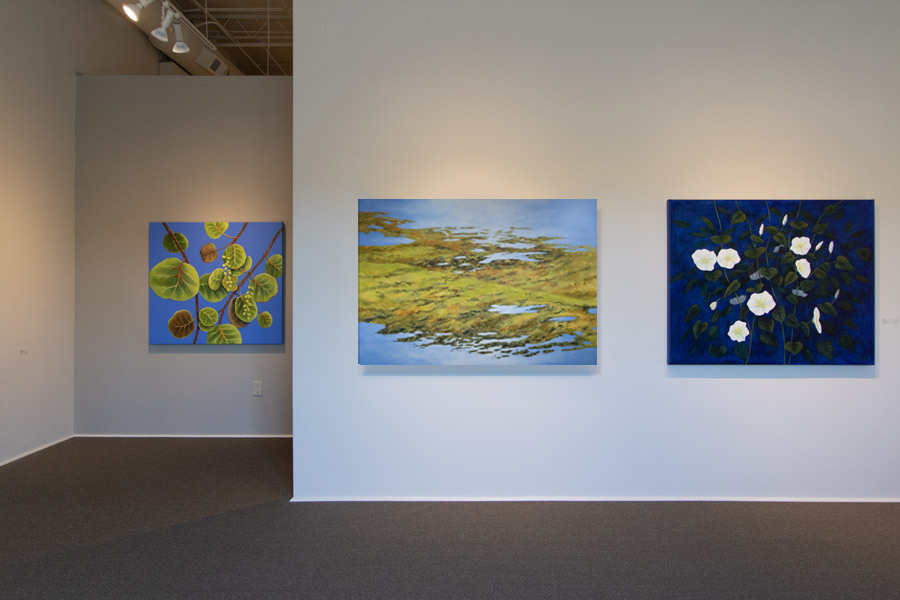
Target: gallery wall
631, 103
173, 149
44, 47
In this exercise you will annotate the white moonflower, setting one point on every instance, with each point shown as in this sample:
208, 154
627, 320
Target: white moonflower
738, 331
830, 247
739, 300
837, 293
802, 267
760, 304
762, 228
713, 305
728, 257
800, 245
784, 221
819, 245
704, 259
755, 276
799, 293
816, 321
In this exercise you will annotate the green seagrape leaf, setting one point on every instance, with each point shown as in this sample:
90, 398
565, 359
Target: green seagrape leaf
234, 256
790, 277
230, 282
264, 319
766, 324
738, 217
768, 272
793, 347
215, 279
224, 334
181, 324
208, 294
263, 287
778, 313
843, 263
174, 279
720, 239
826, 349
169, 242
208, 253
846, 342
215, 229
732, 287
692, 313
248, 263
699, 328
208, 318
275, 265
864, 253
245, 307
233, 316
768, 339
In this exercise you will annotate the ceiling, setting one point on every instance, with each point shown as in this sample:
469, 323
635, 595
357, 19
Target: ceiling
255, 35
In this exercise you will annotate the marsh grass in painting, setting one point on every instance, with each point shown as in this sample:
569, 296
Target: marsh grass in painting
771, 282
477, 282
216, 282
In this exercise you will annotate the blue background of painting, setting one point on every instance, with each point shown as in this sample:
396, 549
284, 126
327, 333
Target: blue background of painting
255, 240
573, 220
681, 245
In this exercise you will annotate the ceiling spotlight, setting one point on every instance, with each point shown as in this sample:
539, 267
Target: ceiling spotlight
160, 32
180, 47
133, 10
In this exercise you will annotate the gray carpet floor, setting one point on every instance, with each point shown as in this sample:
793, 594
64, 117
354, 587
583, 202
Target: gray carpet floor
201, 518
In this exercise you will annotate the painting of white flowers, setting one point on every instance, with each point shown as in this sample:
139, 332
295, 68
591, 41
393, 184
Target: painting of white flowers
771, 282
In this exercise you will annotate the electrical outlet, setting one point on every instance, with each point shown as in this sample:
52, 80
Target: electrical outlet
257, 388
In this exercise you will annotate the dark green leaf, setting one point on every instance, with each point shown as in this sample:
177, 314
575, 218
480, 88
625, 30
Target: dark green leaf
793, 347
846, 342
699, 328
821, 228
170, 245
766, 324
778, 313
771, 230
692, 313
678, 277
790, 277
780, 239
709, 223
864, 253
849, 323
807, 285
732, 287
712, 332
718, 351
830, 210
720, 239
828, 309
742, 351
738, 217
768, 339
682, 224
757, 239
713, 275
846, 306
826, 349
799, 225
768, 272
791, 320
843, 263
224, 334
805, 328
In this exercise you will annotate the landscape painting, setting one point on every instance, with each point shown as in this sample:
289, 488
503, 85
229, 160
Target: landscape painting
782, 282
477, 282
216, 282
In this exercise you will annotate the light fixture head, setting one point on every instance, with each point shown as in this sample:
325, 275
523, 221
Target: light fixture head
180, 47
133, 10
161, 32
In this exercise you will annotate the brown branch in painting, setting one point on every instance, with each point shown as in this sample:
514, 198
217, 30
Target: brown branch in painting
250, 274
196, 300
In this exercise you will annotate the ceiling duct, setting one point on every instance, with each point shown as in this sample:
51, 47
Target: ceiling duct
191, 50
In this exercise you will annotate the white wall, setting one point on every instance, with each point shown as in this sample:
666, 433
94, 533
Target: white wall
43, 45
632, 103
173, 149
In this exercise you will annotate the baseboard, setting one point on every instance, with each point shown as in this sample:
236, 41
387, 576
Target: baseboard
588, 499
38, 449
179, 435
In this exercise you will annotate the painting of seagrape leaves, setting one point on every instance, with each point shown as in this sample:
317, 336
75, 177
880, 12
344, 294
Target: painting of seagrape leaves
477, 282
782, 282
216, 282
